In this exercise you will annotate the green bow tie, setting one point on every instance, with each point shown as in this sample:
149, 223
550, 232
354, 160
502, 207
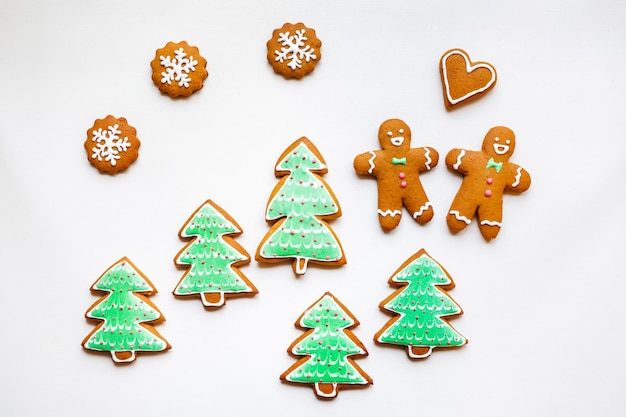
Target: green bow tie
398, 161
493, 164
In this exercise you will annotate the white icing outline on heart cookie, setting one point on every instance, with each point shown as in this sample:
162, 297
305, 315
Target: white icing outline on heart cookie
468, 68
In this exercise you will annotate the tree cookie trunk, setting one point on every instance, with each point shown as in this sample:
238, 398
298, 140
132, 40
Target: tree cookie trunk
122, 356
213, 299
300, 265
326, 390
419, 352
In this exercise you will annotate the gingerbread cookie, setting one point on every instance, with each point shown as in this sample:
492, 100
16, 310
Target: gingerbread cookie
127, 315
112, 144
422, 306
178, 69
487, 175
397, 167
464, 80
212, 258
294, 50
299, 207
327, 349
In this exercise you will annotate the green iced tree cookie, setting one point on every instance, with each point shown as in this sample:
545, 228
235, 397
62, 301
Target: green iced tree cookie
126, 313
327, 349
298, 208
212, 258
422, 306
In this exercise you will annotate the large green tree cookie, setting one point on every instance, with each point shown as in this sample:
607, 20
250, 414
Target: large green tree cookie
127, 315
422, 307
212, 258
328, 349
298, 207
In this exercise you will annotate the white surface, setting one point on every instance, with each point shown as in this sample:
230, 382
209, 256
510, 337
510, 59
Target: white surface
543, 302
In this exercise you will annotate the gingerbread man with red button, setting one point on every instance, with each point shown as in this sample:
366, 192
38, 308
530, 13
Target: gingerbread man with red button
397, 167
488, 174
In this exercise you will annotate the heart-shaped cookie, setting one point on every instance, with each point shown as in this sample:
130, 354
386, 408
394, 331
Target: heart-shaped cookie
464, 80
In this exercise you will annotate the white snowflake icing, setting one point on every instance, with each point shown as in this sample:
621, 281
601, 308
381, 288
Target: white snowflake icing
177, 69
294, 49
109, 144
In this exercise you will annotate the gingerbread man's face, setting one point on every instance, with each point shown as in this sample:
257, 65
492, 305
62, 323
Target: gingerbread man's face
499, 142
394, 134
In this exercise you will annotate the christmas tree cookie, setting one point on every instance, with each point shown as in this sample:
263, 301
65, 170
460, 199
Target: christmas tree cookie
127, 315
298, 207
212, 258
422, 307
328, 349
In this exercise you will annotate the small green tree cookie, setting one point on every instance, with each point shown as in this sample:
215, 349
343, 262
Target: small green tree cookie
423, 307
212, 258
298, 207
327, 349
126, 313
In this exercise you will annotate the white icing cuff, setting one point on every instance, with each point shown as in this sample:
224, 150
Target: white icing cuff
491, 223
458, 216
422, 210
389, 213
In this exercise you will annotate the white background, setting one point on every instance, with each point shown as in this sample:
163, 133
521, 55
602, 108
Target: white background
543, 302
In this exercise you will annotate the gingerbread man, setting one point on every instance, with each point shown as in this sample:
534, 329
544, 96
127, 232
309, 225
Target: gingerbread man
397, 167
487, 175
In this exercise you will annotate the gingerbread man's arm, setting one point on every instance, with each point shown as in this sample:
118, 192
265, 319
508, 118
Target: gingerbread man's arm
461, 160
521, 179
365, 163
426, 157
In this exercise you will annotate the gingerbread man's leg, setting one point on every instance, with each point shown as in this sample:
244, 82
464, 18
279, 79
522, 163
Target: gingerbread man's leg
490, 219
389, 213
461, 213
390, 218
419, 207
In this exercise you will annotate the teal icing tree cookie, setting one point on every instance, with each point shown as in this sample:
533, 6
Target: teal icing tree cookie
327, 349
212, 258
127, 315
298, 207
422, 306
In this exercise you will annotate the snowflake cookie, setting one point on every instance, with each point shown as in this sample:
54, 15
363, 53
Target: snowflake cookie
294, 50
112, 144
178, 69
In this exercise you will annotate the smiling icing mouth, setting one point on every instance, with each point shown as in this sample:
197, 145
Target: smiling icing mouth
500, 149
397, 141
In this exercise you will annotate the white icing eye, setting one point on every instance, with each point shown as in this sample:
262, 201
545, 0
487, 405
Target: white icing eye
508, 142
401, 131
497, 139
390, 134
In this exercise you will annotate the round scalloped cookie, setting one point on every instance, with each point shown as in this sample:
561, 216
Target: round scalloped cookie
178, 69
294, 50
112, 144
